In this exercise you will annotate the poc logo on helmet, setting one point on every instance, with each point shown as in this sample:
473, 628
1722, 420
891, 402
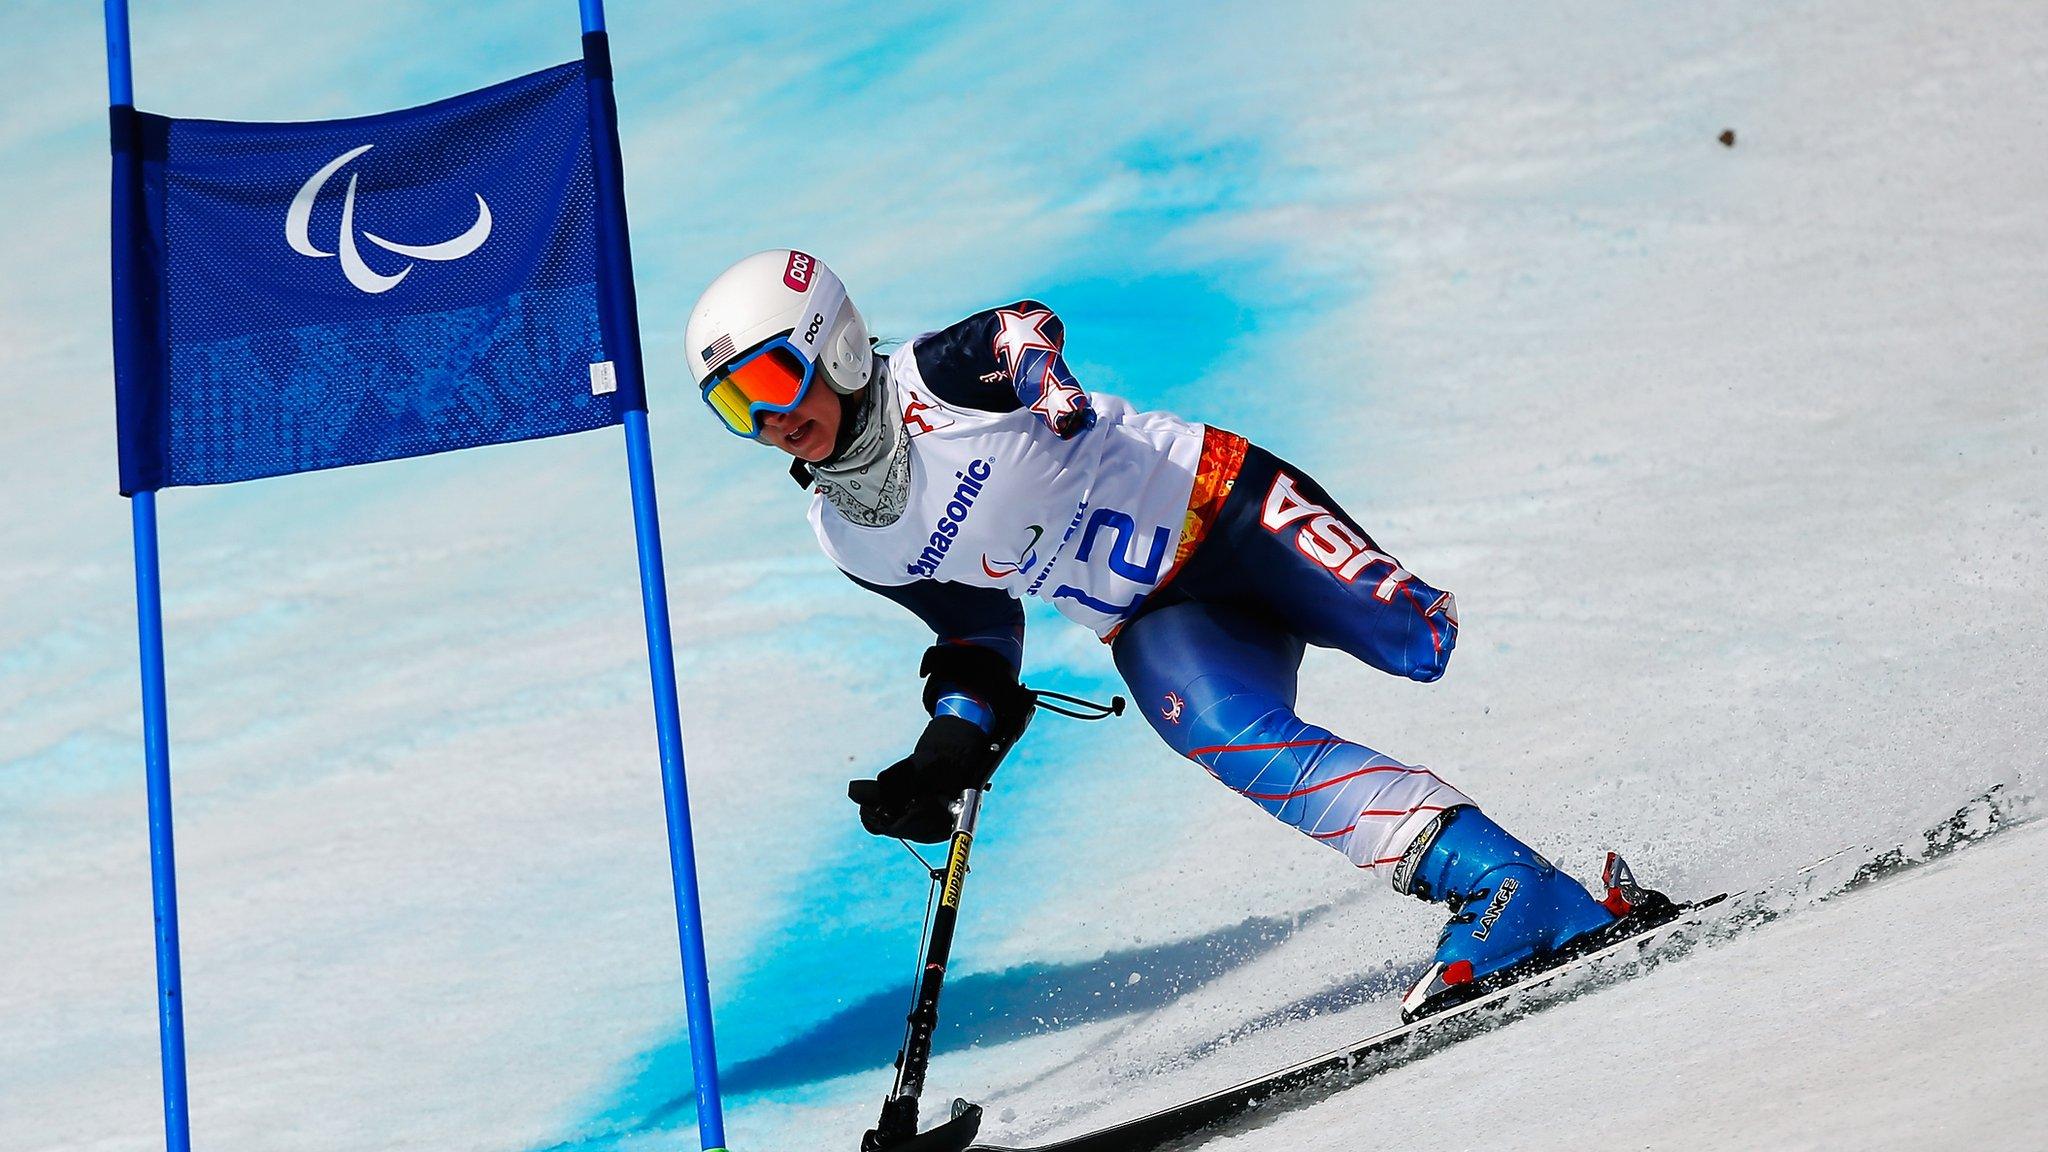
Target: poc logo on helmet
796, 275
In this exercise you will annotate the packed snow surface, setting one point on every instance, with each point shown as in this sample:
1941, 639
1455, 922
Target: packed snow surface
1840, 1027
1732, 454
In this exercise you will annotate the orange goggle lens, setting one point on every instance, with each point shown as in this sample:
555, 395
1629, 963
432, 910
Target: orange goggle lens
773, 379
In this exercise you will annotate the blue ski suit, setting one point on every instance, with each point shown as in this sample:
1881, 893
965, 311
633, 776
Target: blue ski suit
1212, 654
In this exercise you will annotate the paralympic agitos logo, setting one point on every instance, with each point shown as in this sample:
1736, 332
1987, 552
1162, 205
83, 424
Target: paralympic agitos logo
1001, 569
298, 219
952, 518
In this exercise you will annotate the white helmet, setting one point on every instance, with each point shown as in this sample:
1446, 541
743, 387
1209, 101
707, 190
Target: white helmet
778, 298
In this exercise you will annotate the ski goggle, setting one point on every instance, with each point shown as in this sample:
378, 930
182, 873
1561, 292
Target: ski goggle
772, 378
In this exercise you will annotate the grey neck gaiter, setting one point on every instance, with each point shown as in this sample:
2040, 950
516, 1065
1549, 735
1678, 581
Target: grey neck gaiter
868, 480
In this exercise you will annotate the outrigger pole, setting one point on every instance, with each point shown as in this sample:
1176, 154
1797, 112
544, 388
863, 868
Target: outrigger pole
896, 1131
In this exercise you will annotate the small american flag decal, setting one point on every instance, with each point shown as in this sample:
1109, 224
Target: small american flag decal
717, 352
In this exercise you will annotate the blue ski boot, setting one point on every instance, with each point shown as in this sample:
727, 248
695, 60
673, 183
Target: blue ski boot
1512, 911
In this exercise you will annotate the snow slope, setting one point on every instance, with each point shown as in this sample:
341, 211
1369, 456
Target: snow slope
1843, 1026
1677, 417
1733, 456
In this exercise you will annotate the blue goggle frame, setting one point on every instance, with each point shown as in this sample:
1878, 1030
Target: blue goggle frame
728, 399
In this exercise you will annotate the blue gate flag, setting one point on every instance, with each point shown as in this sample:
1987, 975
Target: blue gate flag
290, 297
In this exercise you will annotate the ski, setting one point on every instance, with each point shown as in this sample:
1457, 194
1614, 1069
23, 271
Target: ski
1330, 1071
1715, 918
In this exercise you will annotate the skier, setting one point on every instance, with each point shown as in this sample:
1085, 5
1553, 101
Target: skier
968, 469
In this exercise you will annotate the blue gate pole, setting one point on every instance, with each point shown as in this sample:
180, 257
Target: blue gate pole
156, 738
163, 869
668, 728
660, 645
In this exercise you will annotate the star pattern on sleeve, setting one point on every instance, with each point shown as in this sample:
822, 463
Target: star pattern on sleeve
1058, 401
1020, 330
